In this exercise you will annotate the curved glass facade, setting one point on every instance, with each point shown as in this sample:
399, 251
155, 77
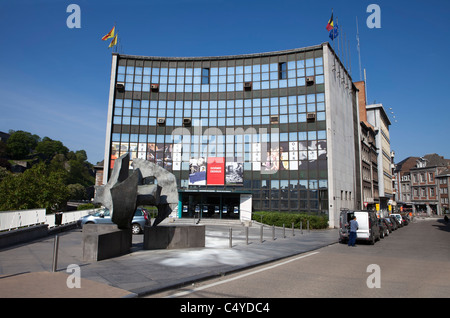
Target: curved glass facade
253, 124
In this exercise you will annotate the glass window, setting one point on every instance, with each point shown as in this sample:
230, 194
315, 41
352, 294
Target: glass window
312, 135
205, 75
282, 70
320, 115
301, 118
321, 134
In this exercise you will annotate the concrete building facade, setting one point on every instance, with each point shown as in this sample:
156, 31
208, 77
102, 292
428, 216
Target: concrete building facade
378, 118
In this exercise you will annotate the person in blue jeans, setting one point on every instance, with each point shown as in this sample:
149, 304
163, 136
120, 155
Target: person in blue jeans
352, 234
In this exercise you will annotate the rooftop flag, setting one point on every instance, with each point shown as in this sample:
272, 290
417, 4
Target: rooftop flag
109, 35
113, 42
334, 32
330, 24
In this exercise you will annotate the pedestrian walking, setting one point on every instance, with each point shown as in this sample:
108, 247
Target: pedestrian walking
352, 234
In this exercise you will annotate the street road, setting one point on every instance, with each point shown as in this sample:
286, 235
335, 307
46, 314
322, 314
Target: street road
413, 261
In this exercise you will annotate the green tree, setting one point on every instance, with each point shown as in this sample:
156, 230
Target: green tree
80, 170
38, 187
21, 143
77, 192
50, 147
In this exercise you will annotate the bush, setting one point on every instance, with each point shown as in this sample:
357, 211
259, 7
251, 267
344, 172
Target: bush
88, 206
280, 218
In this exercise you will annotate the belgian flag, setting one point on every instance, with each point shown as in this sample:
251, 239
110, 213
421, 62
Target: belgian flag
330, 24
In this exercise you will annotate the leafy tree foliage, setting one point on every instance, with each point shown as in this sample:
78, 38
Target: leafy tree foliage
50, 147
59, 175
38, 187
21, 143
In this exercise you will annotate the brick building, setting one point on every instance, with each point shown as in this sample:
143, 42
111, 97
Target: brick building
424, 184
402, 177
369, 153
443, 182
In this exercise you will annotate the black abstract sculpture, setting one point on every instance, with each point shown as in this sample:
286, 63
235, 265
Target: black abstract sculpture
123, 193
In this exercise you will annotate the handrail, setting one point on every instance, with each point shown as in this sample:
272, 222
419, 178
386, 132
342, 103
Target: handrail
12, 220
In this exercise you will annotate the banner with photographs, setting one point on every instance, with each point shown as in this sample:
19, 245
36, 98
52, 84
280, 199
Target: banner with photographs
197, 171
234, 173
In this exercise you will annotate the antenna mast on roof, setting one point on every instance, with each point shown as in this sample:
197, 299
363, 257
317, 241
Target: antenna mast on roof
359, 50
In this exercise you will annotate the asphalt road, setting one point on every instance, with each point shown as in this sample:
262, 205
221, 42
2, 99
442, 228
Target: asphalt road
413, 261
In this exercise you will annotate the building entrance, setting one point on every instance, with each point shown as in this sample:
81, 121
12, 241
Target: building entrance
210, 205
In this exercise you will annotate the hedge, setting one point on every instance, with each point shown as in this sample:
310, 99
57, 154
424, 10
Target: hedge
280, 218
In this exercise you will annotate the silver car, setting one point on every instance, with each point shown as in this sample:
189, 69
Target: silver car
140, 219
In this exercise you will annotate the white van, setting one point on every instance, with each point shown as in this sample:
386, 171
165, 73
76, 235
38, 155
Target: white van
368, 229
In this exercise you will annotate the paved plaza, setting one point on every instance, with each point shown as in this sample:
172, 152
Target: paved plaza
26, 269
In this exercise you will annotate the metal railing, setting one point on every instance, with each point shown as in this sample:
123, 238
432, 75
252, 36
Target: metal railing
12, 220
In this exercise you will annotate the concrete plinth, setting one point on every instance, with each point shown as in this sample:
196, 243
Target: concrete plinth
174, 236
102, 241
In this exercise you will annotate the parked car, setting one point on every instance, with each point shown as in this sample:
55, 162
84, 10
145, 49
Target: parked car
399, 219
389, 224
368, 229
394, 221
384, 231
405, 220
140, 219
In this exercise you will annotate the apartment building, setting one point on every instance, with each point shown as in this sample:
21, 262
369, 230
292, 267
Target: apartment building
425, 186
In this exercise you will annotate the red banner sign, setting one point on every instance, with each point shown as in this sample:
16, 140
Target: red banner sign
216, 171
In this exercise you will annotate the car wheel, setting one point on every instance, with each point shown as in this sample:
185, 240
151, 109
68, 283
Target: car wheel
135, 228
81, 225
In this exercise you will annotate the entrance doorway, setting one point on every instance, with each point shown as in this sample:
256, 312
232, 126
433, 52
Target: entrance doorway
210, 205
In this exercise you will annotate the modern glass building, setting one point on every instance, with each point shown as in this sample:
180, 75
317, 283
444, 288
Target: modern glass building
268, 131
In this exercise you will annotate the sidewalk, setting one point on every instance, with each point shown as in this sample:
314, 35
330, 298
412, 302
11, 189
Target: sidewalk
25, 270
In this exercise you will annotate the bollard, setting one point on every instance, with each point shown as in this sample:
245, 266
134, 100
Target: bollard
293, 232
55, 253
284, 231
261, 234
307, 225
246, 235
273, 232
301, 227
231, 237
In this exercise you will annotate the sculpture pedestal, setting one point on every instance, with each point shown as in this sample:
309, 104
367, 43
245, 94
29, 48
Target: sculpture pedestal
174, 236
102, 241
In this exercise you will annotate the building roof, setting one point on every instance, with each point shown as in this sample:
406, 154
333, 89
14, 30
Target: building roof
4, 136
231, 57
407, 163
432, 160
444, 173
435, 160
382, 112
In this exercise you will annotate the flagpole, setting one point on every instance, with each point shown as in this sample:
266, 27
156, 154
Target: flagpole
338, 45
359, 49
117, 32
332, 16
349, 57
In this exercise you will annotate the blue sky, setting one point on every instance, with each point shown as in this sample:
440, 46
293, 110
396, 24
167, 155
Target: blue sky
55, 80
